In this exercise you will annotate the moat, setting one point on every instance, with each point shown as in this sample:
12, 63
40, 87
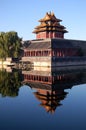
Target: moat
38, 99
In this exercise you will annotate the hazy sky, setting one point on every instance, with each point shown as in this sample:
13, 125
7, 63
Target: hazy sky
23, 15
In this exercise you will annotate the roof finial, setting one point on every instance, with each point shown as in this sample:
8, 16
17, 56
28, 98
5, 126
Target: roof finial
50, 12
46, 12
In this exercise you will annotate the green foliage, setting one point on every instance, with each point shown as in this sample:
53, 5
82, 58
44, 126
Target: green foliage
10, 44
10, 83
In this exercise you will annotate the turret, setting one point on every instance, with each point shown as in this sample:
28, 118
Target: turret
49, 27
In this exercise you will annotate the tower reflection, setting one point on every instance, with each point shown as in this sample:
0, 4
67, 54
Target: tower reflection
50, 85
50, 99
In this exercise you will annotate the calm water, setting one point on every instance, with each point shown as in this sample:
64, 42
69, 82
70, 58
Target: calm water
34, 100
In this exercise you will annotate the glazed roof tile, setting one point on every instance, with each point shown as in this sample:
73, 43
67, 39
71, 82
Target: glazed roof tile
49, 23
50, 43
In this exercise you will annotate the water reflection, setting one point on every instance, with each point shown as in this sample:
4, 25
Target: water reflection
50, 85
10, 82
49, 99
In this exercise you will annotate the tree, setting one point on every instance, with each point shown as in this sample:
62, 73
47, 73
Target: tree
10, 44
2, 40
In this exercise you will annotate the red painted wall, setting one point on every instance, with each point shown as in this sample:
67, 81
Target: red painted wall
44, 35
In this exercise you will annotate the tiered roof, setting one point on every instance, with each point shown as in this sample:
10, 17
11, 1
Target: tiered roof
49, 23
49, 99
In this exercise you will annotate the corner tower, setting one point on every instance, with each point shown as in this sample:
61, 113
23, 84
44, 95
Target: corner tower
49, 27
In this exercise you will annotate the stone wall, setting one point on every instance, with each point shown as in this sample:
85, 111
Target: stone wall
68, 61
38, 61
53, 44
55, 62
7, 61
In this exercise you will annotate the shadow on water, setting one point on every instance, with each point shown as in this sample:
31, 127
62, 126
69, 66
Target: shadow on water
50, 85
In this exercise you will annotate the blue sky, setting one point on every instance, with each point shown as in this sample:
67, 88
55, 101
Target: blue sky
23, 15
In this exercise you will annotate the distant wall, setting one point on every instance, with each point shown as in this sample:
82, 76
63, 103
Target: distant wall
7, 61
